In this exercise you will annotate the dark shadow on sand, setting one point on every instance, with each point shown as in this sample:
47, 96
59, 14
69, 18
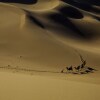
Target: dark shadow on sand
20, 1
92, 2
36, 21
66, 22
87, 6
71, 12
97, 18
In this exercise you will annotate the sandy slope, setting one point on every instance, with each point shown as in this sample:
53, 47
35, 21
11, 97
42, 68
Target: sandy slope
44, 36
18, 87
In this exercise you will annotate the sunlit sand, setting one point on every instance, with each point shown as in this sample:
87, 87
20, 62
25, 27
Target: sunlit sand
40, 40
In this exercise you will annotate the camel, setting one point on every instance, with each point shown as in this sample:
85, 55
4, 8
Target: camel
77, 68
69, 68
87, 71
91, 69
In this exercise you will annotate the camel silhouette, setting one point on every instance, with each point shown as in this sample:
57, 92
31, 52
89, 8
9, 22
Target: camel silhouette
69, 68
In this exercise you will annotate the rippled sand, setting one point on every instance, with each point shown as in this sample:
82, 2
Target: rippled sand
45, 36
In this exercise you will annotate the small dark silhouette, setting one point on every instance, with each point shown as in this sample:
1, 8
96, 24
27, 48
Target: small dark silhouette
82, 72
69, 68
62, 71
83, 64
20, 56
91, 69
80, 69
83, 61
87, 71
8, 66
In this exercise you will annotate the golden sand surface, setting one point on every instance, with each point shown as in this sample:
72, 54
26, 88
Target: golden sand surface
40, 39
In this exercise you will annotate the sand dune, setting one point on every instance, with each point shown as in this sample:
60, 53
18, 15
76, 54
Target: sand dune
42, 37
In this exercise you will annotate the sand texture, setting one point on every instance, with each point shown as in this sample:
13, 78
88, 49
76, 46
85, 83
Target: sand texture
40, 40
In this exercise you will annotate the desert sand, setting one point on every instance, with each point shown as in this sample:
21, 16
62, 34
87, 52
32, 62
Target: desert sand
40, 38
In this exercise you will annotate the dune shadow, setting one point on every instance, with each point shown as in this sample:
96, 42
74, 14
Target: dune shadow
92, 2
20, 1
64, 21
87, 6
71, 12
36, 21
97, 18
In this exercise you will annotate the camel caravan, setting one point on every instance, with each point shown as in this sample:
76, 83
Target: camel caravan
81, 69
